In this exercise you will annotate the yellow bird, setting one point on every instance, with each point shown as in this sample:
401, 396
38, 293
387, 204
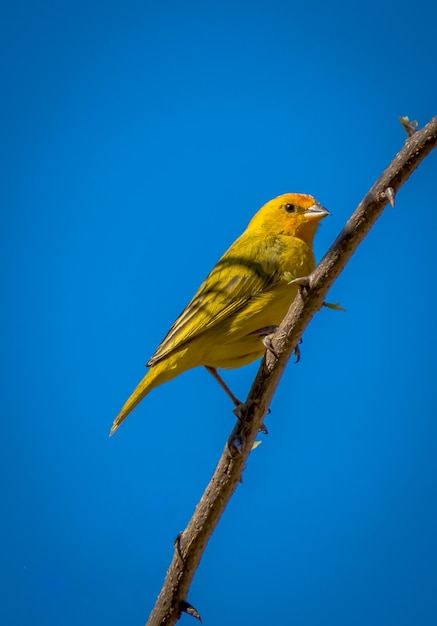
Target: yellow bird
242, 300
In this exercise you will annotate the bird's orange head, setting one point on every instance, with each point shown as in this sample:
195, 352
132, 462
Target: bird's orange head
292, 214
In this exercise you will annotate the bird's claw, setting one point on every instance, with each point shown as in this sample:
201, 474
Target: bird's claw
267, 342
238, 412
266, 335
303, 283
296, 351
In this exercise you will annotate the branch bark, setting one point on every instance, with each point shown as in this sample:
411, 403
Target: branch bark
190, 544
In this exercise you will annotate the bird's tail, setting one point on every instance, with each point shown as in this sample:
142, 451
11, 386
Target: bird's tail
157, 375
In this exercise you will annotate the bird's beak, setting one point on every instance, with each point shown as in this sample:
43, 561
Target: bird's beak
317, 212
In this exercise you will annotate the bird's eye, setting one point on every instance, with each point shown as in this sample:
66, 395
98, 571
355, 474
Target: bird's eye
290, 208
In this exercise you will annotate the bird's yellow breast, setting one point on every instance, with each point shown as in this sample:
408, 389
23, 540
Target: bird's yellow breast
237, 342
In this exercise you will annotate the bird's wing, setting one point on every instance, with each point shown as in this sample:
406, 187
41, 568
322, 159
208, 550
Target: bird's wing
243, 272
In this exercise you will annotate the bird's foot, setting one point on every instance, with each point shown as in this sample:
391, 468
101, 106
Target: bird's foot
238, 412
267, 342
296, 351
303, 282
266, 335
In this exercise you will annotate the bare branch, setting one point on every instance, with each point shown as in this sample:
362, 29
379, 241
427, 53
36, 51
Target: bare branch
190, 544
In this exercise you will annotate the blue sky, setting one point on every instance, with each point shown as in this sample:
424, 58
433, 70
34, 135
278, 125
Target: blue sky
138, 139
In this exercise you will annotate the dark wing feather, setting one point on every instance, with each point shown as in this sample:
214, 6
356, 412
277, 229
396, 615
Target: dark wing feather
237, 277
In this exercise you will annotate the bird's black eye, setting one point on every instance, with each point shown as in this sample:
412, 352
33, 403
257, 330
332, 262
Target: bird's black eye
290, 208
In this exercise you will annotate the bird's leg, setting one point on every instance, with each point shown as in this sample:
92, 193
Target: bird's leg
296, 350
223, 385
238, 404
266, 335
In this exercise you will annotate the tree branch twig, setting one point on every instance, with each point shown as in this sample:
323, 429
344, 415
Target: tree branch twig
190, 544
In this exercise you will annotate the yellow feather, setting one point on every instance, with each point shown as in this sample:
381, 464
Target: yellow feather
245, 292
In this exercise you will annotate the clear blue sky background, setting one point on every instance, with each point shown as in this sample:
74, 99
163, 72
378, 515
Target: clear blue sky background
137, 141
